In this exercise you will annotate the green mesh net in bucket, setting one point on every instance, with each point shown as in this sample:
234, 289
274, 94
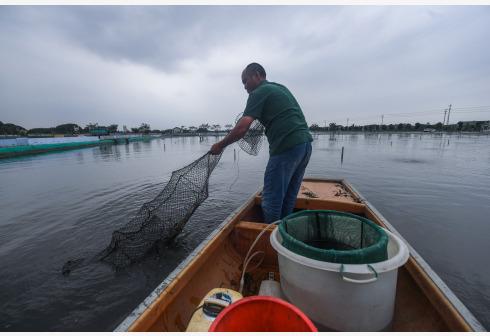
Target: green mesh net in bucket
334, 236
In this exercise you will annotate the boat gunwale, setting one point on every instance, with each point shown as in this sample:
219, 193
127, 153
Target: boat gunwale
460, 307
154, 295
468, 317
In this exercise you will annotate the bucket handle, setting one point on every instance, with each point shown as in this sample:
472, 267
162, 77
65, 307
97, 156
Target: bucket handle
357, 281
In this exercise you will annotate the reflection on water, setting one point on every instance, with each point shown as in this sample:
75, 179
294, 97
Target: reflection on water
434, 189
416, 161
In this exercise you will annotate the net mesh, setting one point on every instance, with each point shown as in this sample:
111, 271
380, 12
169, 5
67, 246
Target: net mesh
334, 236
164, 217
251, 143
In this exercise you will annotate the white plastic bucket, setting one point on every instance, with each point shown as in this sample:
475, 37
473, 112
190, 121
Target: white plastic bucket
342, 297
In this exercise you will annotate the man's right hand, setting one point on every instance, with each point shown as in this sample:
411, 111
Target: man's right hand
235, 134
216, 149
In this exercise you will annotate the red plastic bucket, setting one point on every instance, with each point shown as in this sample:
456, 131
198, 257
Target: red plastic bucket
262, 313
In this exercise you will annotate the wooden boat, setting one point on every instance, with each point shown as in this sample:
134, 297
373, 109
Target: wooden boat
423, 301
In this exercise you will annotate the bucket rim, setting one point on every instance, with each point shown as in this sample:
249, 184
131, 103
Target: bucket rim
259, 298
399, 259
383, 237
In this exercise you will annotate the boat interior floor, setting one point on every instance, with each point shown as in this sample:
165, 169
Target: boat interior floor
220, 264
223, 268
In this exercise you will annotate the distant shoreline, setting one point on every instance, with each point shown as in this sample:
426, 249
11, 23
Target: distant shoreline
12, 150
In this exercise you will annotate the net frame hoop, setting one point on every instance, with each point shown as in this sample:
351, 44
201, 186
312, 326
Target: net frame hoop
382, 241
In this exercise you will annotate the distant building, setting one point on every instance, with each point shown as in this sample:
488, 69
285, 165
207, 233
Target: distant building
429, 130
177, 130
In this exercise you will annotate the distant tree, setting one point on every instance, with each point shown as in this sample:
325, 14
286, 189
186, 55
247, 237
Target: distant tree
67, 129
144, 128
112, 128
11, 129
135, 130
41, 131
314, 127
91, 126
479, 126
206, 126
332, 126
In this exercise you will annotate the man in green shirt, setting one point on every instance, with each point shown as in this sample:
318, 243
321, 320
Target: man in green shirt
288, 136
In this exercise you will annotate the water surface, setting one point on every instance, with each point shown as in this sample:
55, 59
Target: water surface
54, 207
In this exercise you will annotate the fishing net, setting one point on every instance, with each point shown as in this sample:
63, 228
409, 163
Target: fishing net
251, 143
334, 236
164, 217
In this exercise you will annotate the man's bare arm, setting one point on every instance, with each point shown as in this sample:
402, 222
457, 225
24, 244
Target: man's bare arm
235, 134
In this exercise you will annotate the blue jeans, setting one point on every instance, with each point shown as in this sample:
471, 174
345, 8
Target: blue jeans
282, 180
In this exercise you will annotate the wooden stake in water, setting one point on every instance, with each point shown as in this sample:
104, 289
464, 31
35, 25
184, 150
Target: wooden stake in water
164, 147
342, 156
234, 154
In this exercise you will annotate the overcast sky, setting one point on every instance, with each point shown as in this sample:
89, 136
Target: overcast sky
181, 65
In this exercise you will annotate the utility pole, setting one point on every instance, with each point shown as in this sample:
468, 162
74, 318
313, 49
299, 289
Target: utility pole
444, 122
325, 122
382, 120
448, 114
347, 123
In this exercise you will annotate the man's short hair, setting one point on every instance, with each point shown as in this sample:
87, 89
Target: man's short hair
252, 68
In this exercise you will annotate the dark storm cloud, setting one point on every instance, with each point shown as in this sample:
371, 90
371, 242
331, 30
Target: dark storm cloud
155, 35
180, 65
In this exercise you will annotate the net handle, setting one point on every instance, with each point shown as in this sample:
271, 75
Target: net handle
358, 281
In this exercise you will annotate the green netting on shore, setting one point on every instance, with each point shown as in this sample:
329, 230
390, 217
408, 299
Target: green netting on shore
334, 236
6, 151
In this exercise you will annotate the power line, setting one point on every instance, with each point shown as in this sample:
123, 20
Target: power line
375, 120
428, 112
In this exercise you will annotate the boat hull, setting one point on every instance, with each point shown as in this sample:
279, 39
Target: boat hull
423, 302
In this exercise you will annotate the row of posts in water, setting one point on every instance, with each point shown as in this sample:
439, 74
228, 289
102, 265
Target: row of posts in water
391, 144
201, 138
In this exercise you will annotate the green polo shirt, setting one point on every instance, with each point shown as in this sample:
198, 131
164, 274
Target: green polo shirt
277, 109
